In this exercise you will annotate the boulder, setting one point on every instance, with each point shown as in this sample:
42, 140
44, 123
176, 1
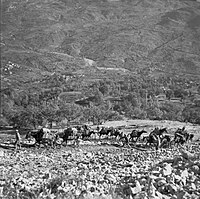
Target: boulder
136, 189
167, 169
195, 169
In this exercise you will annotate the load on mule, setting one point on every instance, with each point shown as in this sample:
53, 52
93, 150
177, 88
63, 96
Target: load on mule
85, 132
116, 133
124, 139
154, 140
105, 131
165, 141
181, 136
191, 136
42, 135
155, 137
70, 133
159, 132
136, 134
37, 135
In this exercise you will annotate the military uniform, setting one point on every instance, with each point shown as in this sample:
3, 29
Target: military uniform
18, 139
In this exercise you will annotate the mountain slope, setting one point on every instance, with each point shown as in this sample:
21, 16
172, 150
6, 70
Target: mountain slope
67, 45
127, 34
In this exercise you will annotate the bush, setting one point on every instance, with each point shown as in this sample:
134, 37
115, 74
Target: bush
3, 121
154, 113
172, 111
192, 114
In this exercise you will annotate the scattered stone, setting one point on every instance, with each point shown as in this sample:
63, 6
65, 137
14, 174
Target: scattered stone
167, 169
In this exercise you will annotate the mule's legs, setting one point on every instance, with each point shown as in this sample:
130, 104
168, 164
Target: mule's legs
137, 138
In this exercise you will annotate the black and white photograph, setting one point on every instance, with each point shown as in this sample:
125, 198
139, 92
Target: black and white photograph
100, 99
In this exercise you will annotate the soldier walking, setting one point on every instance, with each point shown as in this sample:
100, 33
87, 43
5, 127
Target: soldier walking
18, 140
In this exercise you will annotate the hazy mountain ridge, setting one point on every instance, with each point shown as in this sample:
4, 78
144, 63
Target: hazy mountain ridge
55, 36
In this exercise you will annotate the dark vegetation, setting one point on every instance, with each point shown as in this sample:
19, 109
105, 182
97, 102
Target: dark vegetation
99, 60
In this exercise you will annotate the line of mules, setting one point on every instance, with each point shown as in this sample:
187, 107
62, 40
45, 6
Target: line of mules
157, 138
160, 138
45, 136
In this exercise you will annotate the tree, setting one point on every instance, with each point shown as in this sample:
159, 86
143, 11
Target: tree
98, 97
169, 93
30, 116
3, 121
192, 114
70, 111
50, 112
172, 111
132, 98
139, 113
94, 114
112, 115
154, 113
104, 87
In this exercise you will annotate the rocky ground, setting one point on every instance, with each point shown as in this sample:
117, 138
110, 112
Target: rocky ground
100, 171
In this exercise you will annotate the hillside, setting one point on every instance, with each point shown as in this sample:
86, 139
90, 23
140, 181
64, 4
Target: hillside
70, 44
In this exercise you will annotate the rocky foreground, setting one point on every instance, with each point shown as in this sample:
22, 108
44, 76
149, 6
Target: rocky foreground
100, 172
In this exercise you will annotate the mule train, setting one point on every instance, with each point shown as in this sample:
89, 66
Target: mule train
158, 138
